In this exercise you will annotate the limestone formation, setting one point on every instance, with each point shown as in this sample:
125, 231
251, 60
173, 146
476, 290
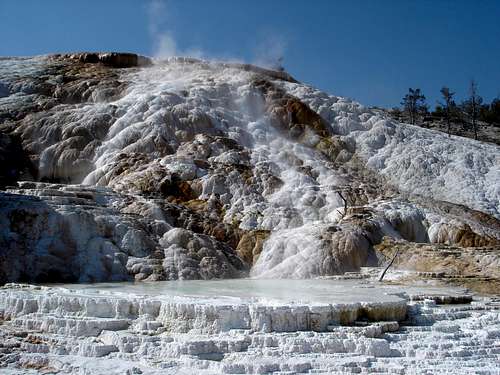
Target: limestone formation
69, 233
247, 327
118, 167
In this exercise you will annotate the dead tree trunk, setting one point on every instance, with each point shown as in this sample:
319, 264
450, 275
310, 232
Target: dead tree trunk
389, 265
345, 204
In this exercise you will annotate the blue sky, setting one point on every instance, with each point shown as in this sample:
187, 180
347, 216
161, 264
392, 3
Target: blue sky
368, 50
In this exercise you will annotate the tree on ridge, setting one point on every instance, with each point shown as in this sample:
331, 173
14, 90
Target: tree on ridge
414, 104
448, 106
472, 106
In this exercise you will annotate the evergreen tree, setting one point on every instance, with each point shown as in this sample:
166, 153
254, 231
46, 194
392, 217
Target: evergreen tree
491, 113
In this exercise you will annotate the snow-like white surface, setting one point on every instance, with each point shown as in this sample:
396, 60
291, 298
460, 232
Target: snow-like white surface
301, 211
417, 160
189, 327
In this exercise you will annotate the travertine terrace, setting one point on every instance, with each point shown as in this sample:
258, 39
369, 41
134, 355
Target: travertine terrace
119, 168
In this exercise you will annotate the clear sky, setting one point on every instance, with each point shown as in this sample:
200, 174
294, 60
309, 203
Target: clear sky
369, 50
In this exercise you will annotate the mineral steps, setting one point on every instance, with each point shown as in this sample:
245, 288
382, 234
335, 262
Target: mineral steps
56, 330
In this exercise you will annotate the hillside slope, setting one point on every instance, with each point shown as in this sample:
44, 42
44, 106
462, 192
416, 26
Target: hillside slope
115, 167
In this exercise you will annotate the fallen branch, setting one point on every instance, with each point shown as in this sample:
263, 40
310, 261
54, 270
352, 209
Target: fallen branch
345, 205
390, 264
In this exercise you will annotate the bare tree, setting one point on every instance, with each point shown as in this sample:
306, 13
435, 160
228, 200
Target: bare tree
414, 104
472, 106
448, 105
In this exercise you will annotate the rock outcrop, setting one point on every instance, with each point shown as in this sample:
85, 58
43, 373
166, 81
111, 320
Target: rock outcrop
75, 233
112, 59
477, 268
